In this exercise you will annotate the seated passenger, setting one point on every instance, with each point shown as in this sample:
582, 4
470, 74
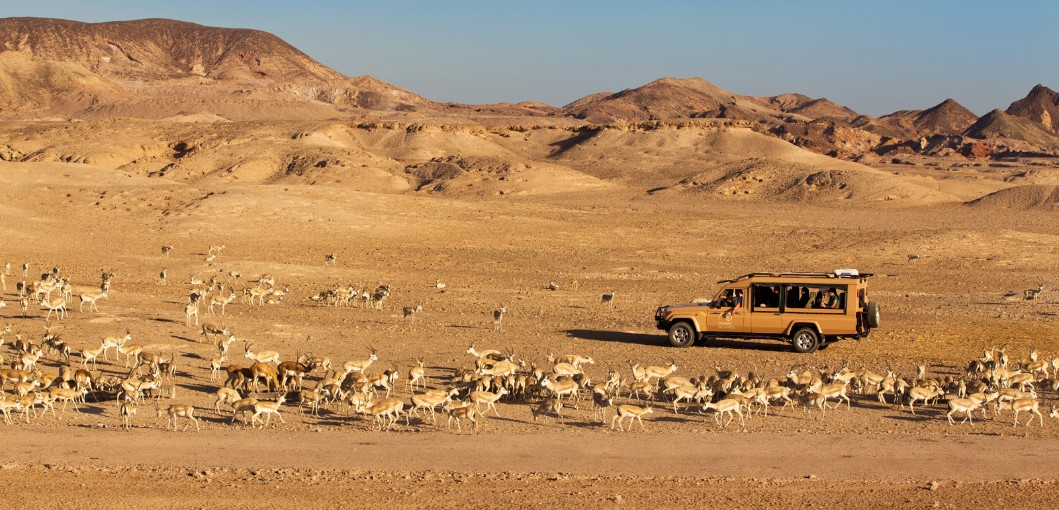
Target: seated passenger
831, 298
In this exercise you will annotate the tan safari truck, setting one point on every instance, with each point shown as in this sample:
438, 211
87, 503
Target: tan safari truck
807, 310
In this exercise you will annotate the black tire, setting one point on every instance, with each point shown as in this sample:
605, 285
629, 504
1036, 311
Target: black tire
805, 340
682, 334
871, 314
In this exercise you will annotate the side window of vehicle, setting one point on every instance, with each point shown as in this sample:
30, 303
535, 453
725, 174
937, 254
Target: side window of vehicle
765, 296
798, 296
815, 297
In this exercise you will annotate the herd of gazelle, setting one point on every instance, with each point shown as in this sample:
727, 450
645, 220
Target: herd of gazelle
470, 393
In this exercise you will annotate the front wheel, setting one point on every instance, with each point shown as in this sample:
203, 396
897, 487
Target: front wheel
805, 340
681, 334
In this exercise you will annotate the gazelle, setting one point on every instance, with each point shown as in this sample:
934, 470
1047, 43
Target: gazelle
268, 409
412, 311
220, 301
1029, 405
226, 396
415, 375
191, 310
91, 355
175, 411
264, 371
387, 409
546, 407
6, 406
1033, 294
428, 401
212, 329
242, 406
576, 360
131, 351
608, 299
726, 406
562, 388
360, 366
962, 405
55, 304
656, 372
489, 399
632, 413
261, 357
115, 342
91, 298
924, 394
127, 411
465, 411
498, 318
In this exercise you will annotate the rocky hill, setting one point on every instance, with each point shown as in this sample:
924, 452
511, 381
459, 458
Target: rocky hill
1041, 105
61, 67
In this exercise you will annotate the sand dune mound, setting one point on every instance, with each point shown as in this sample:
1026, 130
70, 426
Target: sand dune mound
786, 181
497, 176
1025, 197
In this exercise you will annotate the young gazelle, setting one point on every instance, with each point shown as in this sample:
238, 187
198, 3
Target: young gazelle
179, 411
632, 413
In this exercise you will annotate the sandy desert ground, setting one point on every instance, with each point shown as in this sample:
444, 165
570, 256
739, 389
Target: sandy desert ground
495, 249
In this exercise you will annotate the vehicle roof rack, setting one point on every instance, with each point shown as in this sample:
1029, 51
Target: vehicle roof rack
841, 273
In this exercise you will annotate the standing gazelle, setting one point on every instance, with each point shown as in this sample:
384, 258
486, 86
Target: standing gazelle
192, 309
91, 298
632, 413
498, 318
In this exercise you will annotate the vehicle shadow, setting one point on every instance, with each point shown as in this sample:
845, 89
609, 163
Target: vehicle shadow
660, 340
616, 336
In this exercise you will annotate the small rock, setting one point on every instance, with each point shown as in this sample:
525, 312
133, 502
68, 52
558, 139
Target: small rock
933, 486
811, 477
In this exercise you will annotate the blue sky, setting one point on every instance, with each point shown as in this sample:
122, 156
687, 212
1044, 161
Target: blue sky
875, 57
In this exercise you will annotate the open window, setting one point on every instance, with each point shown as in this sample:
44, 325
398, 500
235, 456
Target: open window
814, 298
765, 296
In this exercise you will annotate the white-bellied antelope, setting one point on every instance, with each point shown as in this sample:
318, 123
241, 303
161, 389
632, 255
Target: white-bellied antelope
632, 413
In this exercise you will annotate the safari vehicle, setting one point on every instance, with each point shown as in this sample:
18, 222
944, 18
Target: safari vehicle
805, 309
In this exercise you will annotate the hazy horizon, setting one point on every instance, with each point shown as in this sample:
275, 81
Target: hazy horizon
876, 61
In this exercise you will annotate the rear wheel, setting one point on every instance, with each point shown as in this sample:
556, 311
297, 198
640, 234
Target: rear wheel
682, 334
805, 340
